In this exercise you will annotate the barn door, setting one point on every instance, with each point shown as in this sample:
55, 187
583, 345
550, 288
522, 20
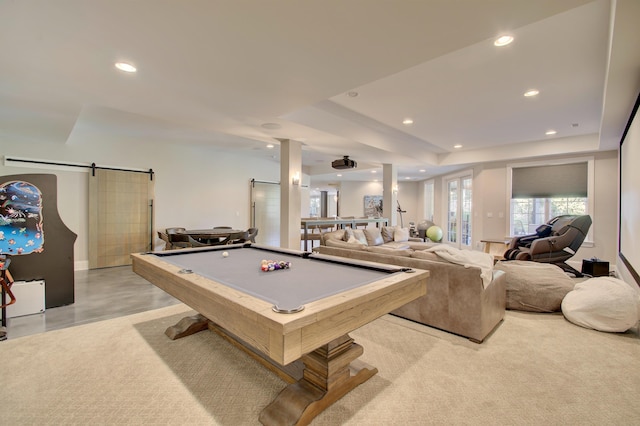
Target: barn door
120, 216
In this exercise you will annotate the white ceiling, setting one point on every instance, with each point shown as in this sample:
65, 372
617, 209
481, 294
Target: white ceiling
213, 72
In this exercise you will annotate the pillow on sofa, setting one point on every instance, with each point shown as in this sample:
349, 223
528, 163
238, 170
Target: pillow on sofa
338, 235
373, 236
358, 234
387, 233
389, 250
401, 234
603, 304
533, 286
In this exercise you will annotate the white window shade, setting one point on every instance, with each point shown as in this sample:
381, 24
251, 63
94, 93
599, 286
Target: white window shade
562, 180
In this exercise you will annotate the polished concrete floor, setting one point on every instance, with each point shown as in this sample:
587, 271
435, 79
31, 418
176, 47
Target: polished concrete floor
100, 294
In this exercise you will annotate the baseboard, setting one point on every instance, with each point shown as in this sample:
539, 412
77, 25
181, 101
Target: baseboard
80, 265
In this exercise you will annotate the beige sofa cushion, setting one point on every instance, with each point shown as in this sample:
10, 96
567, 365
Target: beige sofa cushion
397, 245
344, 244
389, 250
373, 236
425, 255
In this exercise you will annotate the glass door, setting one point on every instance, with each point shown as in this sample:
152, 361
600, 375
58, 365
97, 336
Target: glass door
459, 211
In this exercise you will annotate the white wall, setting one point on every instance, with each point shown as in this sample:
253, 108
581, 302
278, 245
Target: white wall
195, 187
410, 196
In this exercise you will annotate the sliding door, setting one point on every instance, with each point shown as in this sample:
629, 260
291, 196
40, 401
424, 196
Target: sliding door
265, 212
120, 216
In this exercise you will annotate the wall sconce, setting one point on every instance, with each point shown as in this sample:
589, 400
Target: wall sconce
296, 179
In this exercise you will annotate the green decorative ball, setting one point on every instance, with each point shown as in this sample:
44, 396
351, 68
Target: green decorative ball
434, 233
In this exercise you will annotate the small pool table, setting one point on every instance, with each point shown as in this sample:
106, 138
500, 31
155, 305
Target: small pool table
302, 313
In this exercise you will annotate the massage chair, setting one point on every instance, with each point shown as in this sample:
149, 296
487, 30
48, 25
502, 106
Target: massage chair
554, 242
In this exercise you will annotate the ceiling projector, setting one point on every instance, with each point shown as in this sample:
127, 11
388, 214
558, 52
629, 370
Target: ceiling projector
344, 163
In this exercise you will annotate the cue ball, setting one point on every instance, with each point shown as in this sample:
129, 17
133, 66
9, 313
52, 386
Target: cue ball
225, 254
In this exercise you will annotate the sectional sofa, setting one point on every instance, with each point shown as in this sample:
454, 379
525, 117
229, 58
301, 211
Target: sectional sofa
458, 299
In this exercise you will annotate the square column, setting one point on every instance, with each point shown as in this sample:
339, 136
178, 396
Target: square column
390, 193
290, 196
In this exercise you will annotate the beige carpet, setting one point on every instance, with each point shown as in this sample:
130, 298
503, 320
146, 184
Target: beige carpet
536, 369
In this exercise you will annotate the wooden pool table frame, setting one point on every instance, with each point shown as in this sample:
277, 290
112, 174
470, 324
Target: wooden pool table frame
318, 335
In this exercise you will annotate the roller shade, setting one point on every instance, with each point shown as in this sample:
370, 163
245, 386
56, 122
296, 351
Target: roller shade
563, 180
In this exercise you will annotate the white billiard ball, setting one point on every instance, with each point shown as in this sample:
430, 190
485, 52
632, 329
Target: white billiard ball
225, 254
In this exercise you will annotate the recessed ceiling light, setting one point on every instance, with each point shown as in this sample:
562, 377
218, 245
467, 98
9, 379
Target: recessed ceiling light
457, 146
530, 93
422, 170
374, 171
270, 146
503, 40
339, 175
271, 126
407, 121
550, 132
123, 66
407, 178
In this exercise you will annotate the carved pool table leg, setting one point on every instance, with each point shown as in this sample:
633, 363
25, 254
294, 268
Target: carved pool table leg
328, 375
187, 326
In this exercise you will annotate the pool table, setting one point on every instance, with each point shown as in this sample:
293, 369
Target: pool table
296, 319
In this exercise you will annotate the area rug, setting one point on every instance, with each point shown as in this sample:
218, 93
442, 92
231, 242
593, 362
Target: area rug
534, 369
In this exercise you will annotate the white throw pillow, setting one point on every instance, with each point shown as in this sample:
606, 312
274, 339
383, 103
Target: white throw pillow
401, 234
358, 234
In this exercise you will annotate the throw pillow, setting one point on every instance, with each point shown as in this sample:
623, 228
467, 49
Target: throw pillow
335, 235
533, 286
345, 244
603, 304
401, 234
358, 234
387, 233
373, 236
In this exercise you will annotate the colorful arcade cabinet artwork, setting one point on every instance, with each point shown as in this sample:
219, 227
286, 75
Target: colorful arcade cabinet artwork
34, 237
20, 218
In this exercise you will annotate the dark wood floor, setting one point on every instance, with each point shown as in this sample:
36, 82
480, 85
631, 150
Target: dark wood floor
100, 294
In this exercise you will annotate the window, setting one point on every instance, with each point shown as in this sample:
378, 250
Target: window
529, 213
314, 204
459, 210
542, 191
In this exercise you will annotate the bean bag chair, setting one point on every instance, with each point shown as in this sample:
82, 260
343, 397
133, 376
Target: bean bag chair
603, 304
533, 286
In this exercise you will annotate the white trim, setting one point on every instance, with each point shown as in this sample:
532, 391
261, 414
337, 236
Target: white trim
81, 265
